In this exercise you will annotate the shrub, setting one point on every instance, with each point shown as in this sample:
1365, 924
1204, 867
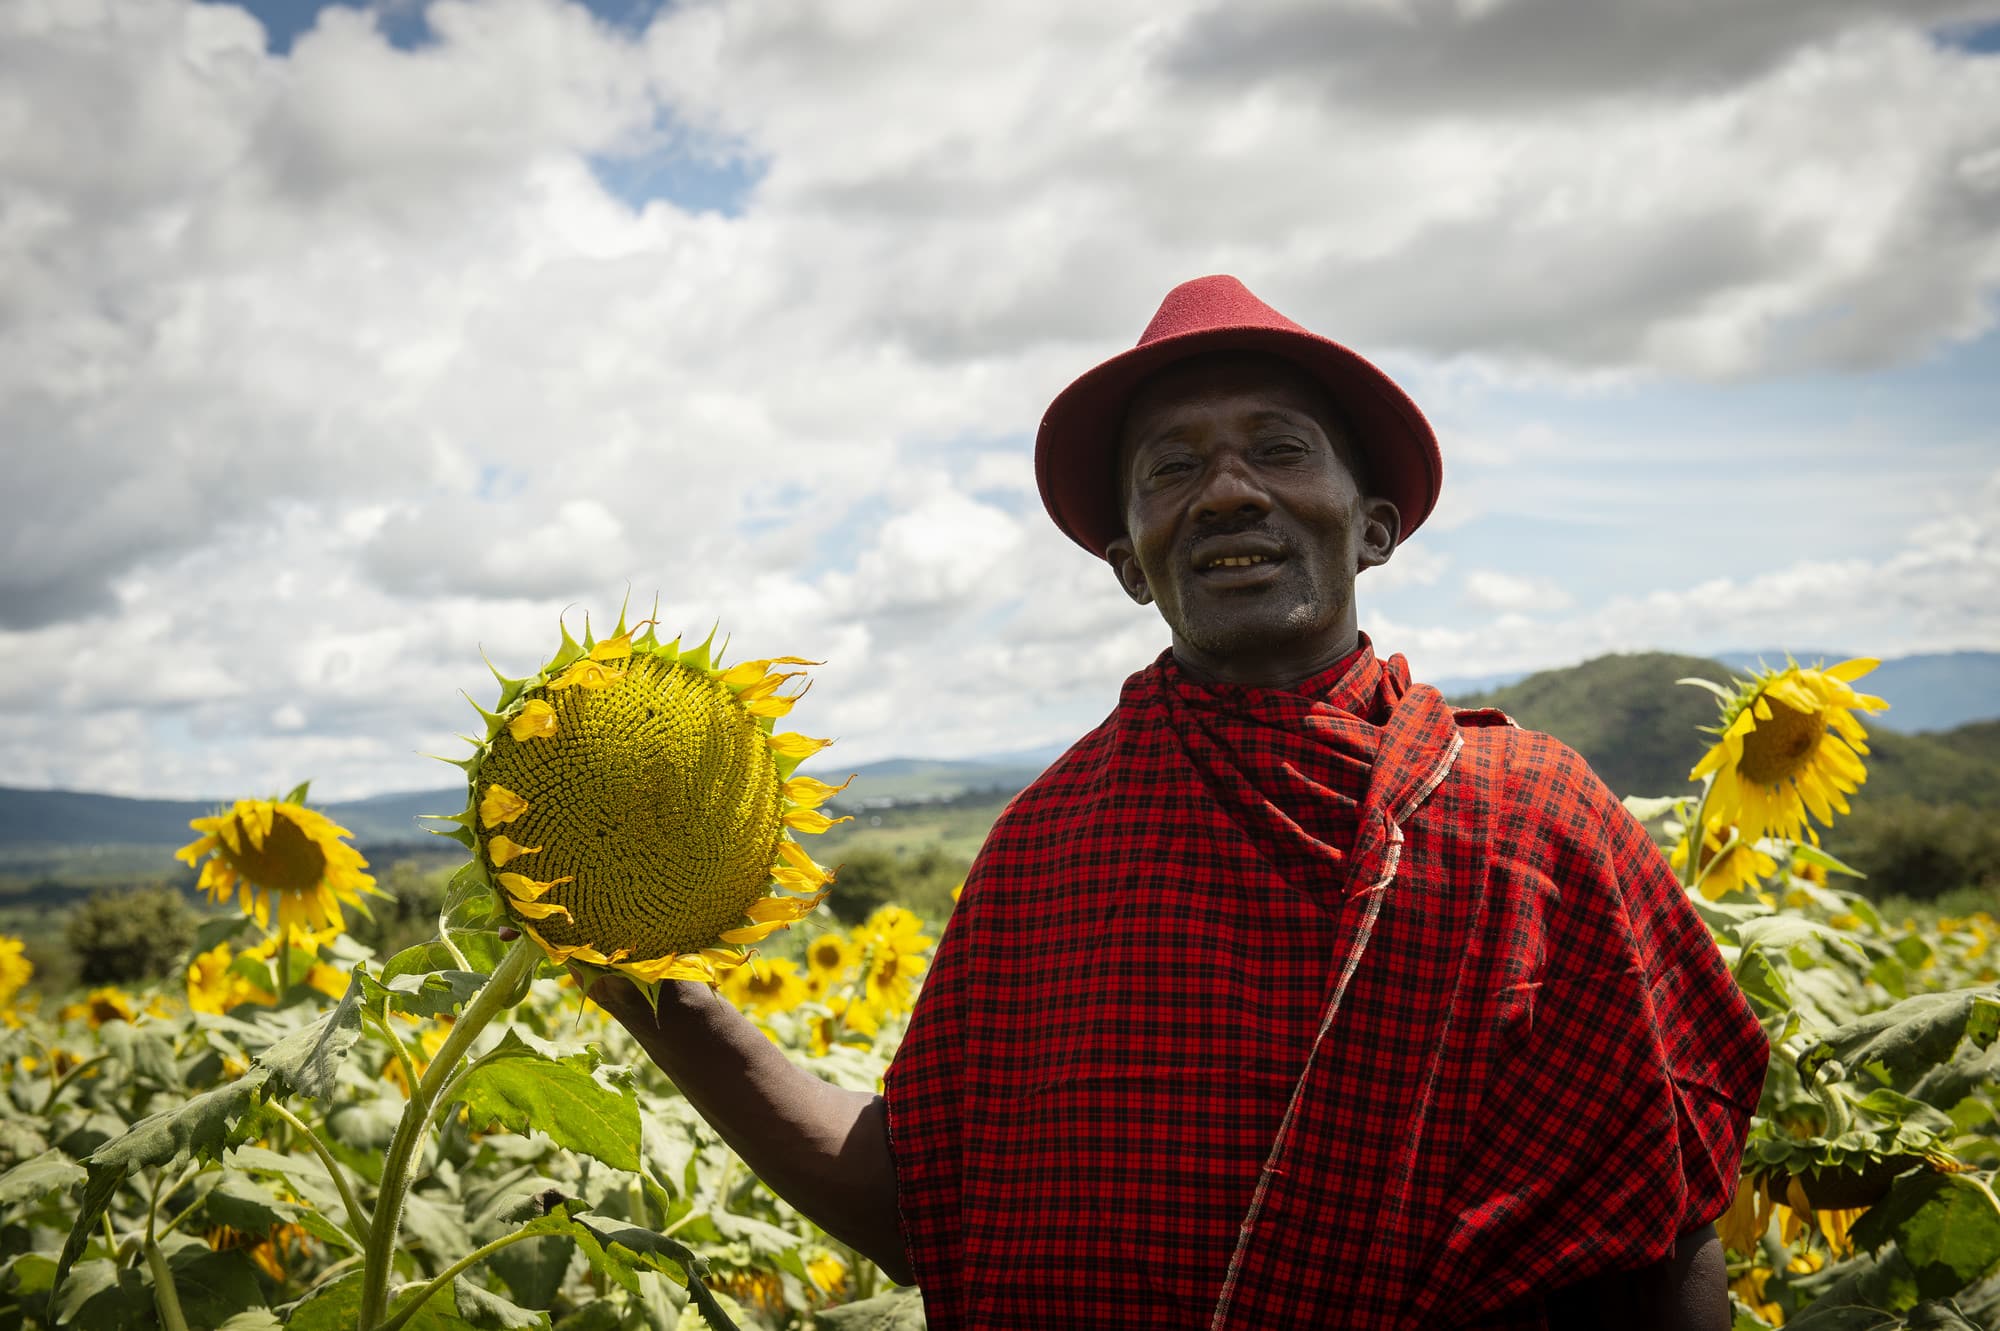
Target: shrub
123, 937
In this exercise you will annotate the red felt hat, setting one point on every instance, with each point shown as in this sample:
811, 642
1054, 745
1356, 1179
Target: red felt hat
1076, 451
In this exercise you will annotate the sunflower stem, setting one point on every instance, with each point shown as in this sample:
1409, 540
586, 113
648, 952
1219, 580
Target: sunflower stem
446, 1276
488, 1003
166, 1295
356, 1217
1697, 835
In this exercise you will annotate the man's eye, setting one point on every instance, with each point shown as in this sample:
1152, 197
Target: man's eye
1169, 467
1284, 446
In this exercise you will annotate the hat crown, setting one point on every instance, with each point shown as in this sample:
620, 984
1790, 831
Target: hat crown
1216, 301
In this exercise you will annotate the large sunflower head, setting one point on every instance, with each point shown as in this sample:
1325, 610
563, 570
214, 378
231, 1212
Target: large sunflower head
1789, 745
279, 850
634, 811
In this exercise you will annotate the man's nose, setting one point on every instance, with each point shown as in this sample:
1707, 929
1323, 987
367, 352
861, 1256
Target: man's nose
1230, 489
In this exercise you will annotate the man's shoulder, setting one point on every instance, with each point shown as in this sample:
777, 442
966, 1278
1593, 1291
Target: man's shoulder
1528, 769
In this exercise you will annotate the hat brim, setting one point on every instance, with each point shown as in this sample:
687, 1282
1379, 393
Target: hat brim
1076, 449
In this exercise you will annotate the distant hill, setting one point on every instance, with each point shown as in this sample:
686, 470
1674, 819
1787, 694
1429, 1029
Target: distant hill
72, 818
1638, 730
1927, 692
1624, 713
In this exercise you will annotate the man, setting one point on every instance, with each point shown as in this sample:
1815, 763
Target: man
1287, 997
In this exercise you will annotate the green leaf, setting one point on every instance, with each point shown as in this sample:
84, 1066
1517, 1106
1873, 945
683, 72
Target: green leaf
491, 1312
481, 948
1947, 1227
253, 1319
1761, 981
146, 1055
32, 1180
200, 1128
621, 1252
898, 1310
1780, 933
102, 1296
307, 1176
337, 1307
1903, 1040
433, 993
247, 1205
297, 794
307, 1062
1807, 853
1647, 808
518, 1088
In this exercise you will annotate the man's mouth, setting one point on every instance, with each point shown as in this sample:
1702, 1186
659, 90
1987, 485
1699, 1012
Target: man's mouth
1232, 561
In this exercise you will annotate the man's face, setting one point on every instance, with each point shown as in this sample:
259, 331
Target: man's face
1244, 522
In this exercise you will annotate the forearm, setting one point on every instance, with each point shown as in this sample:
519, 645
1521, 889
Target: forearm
1687, 1291
823, 1149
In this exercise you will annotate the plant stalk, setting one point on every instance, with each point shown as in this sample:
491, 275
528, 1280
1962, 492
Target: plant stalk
1697, 834
379, 1255
357, 1218
445, 1277
166, 1295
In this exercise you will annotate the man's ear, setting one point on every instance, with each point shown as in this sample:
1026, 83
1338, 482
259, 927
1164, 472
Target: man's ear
1125, 564
1381, 527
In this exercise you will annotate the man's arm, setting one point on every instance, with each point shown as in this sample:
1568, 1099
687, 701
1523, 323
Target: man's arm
823, 1149
1686, 1291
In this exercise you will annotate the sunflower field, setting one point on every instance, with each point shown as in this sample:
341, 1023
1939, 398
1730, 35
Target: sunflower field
299, 1132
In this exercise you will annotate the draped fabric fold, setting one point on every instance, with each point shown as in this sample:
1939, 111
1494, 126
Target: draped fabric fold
1537, 1068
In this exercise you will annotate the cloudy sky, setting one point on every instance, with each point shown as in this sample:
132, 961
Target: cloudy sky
337, 343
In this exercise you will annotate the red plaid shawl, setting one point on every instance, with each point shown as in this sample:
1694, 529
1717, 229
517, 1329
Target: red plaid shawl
1319, 1007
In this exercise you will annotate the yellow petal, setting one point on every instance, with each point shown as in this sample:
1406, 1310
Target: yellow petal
587, 674
500, 805
684, 967
500, 850
809, 793
1849, 671
536, 720
523, 888
538, 910
743, 674
772, 707
766, 686
810, 820
782, 909
618, 648
751, 933
188, 854
791, 744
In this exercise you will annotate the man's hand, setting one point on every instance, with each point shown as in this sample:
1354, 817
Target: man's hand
823, 1149
1687, 1291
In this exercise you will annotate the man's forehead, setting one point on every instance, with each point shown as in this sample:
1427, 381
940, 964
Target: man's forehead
1261, 382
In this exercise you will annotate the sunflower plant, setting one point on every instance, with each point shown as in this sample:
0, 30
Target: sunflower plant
380, 1144
1868, 1174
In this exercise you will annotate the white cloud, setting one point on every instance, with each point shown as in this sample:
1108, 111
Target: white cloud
320, 373
1490, 589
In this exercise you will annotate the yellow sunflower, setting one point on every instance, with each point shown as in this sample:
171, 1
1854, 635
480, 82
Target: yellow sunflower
101, 1007
829, 958
214, 986
1789, 745
15, 969
1741, 867
634, 811
765, 986
893, 944
265, 850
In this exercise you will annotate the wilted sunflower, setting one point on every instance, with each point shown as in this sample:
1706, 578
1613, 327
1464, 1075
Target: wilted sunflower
1790, 744
633, 809
279, 849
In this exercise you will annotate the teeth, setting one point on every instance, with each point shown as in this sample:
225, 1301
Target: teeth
1236, 561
